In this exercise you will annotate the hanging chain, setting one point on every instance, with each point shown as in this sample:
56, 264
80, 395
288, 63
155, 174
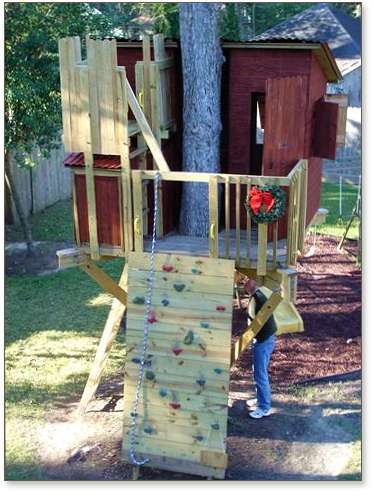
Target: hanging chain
148, 302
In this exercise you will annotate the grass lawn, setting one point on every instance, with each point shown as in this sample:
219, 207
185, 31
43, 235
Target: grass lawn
53, 324
334, 225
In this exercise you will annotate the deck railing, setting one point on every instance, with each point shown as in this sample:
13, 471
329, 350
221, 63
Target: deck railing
255, 254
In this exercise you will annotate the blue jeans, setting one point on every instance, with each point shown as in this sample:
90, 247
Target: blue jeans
262, 352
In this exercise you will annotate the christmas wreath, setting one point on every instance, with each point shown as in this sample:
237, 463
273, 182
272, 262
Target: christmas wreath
265, 203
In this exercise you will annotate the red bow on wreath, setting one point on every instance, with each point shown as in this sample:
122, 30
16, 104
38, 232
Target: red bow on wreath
259, 198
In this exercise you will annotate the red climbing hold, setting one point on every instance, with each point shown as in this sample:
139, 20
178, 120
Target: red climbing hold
152, 319
177, 350
175, 405
167, 267
220, 308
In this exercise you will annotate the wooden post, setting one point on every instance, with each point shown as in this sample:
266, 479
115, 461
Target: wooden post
261, 264
248, 226
214, 217
137, 211
227, 219
238, 220
108, 336
146, 77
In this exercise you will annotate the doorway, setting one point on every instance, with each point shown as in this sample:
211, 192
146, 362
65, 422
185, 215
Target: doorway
257, 132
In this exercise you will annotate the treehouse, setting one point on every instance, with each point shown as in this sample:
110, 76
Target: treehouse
122, 130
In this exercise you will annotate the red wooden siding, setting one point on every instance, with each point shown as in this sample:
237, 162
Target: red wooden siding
107, 210
285, 116
324, 141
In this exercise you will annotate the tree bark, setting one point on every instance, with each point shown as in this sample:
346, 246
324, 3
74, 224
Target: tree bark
9, 182
202, 60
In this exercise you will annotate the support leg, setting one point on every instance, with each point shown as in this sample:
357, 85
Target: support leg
135, 472
108, 336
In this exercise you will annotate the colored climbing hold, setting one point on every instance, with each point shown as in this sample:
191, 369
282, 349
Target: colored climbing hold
136, 360
220, 308
202, 346
215, 426
152, 319
181, 362
204, 324
163, 392
179, 287
175, 405
189, 337
133, 414
201, 382
177, 350
218, 370
198, 438
165, 302
149, 430
139, 300
150, 375
196, 271
167, 267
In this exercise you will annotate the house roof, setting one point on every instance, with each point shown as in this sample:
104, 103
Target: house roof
324, 24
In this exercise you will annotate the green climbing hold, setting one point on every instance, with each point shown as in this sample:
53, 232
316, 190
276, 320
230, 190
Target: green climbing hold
179, 287
189, 337
149, 430
218, 370
139, 300
196, 271
215, 426
150, 375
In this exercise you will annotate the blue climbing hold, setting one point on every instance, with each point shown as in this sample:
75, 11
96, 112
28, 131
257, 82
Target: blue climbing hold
136, 360
165, 302
196, 271
218, 370
149, 430
163, 392
201, 382
150, 375
179, 287
204, 324
198, 438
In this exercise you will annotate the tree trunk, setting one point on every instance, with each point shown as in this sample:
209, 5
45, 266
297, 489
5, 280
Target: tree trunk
202, 60
26, 228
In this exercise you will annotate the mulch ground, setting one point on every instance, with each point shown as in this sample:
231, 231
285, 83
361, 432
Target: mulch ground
329, 301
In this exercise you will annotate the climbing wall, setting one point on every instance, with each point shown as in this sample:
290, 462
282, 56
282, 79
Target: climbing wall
182, 417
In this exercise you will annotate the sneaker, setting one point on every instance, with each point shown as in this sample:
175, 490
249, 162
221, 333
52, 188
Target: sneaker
252, 403
259, 413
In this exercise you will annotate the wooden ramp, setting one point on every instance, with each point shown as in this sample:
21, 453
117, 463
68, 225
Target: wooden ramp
182, 415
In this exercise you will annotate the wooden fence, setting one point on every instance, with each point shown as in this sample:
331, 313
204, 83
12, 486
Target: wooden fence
45, 184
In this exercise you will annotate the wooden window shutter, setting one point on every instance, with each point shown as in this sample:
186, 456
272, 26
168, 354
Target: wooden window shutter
324, 141
342, 101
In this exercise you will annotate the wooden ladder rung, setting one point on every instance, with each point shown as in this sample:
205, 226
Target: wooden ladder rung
133, 128
139, 151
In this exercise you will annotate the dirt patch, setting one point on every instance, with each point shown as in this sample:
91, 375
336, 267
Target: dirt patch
41, 261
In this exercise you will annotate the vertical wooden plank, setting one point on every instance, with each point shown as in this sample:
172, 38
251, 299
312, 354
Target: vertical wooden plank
124, 159
248, 226
91, 200
289, 239
214, 217
274, 244
261, 266
146, 76
227, 218
303, 206
137, 211
75, 211
164, 86
238, 219
65, 98
106, 97
142, 159
93, 96
74, 89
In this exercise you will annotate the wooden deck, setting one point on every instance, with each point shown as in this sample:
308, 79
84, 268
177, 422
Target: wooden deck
199, 246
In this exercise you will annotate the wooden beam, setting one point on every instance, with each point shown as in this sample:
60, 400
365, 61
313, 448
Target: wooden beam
108, 336
214, 217
150, 139
261, 265
106, 282
71, 257
146, 76
256, 325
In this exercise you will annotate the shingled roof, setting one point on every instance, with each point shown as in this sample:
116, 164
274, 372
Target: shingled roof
324, 24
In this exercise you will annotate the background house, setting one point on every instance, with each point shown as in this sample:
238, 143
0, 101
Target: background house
343, 35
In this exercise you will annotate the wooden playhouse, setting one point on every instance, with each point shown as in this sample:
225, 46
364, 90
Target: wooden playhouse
122, 129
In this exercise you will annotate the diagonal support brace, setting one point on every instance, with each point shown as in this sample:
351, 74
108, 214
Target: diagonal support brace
256, 325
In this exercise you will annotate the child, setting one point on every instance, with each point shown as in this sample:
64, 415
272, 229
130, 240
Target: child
263, 346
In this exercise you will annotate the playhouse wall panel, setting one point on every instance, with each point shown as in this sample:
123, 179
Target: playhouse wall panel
182, 415
107, 210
